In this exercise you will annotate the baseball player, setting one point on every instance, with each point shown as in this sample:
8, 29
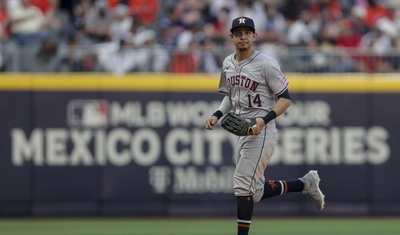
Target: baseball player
255, 88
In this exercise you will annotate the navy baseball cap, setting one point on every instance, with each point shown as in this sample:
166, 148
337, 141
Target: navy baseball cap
243, 21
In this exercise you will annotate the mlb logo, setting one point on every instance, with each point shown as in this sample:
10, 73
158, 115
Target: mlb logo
88, 113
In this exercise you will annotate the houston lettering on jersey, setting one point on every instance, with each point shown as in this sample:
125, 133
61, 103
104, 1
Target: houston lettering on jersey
243, 81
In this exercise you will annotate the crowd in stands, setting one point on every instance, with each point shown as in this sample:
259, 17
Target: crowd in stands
185, 36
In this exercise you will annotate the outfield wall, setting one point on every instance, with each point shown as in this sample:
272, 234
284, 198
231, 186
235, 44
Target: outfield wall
95, 144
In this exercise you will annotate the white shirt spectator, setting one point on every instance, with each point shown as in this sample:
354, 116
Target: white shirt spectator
26, 18
297, 33
97, 21
379, 42
121, 24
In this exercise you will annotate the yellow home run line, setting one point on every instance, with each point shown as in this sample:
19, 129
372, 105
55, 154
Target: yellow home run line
319, 83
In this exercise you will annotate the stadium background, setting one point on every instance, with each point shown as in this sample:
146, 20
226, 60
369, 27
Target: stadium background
88, 135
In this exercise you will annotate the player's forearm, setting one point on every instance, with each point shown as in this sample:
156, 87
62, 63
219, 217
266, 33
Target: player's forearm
282, 104
224, 108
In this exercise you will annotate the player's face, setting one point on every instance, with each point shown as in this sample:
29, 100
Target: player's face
243, 38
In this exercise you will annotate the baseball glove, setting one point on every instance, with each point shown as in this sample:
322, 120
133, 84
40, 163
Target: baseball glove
240, 126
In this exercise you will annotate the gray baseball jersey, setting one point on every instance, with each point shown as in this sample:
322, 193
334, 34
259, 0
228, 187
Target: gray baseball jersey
252, 85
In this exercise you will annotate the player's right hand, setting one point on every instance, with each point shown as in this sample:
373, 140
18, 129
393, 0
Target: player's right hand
256, 128
210, 122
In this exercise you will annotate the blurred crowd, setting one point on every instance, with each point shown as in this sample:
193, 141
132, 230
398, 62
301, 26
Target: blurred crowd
185, 36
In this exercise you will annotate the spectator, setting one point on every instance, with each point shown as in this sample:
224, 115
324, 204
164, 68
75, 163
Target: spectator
211, 58
27, 28
98, 19
27, 23
116, 57
76, 55
388, 26
121, 23
132, 36
153, 56
377, 40
274, 23
297, 33
187, 57
374, 11
193, 25
347, 42
145, 10
171, 27
338, 61
347, 37
216, 28
312, 21
165, 36
79, 13
394, 16
47, 59
58, 22
357, 16
375, 45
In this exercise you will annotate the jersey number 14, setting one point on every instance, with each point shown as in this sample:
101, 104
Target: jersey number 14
254, 102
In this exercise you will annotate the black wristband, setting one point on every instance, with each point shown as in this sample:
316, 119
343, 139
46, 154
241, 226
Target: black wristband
270, 116
218, 114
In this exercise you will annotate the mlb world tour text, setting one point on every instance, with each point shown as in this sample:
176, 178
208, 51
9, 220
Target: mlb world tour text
173, 132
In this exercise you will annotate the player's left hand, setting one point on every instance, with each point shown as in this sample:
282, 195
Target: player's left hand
257, 127
210, 122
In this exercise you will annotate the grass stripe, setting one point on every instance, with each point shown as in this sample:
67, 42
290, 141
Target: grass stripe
200, 226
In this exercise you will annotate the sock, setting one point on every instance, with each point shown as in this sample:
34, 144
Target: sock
245, 207
278, 187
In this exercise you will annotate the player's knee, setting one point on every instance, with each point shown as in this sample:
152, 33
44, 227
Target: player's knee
241, 192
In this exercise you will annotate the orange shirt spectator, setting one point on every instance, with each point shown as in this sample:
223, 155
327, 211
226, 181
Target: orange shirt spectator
145, 10
375, 11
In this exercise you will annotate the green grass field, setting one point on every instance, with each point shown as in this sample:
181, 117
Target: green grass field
198, 226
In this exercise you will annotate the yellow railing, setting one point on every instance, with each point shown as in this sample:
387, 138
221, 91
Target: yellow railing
319, 83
